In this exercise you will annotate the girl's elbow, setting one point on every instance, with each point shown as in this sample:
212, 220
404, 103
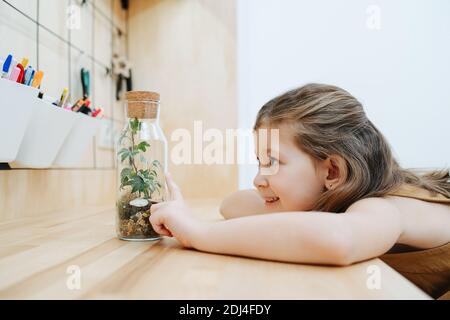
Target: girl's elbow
231, 207
343, 260
338, 255
342, 254
333, 252
224, 209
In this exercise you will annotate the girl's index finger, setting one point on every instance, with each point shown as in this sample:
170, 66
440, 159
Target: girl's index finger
155, 207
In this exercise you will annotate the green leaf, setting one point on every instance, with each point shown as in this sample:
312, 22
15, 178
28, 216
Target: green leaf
125, 177
127, 153
123, 150
156, 163
137, 184
143, 146
126, 182
145, 175
125, 173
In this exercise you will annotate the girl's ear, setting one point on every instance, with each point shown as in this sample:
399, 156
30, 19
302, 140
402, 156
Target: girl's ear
336, 171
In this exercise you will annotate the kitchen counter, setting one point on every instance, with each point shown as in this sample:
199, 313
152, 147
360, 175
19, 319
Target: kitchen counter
42, 257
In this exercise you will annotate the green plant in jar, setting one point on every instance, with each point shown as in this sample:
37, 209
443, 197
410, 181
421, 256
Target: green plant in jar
141, 149
144, 181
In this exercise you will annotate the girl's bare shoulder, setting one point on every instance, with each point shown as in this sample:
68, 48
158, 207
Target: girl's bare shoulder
425, 224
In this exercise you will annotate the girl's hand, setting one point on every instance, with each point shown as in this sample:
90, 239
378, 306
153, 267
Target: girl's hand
173, 218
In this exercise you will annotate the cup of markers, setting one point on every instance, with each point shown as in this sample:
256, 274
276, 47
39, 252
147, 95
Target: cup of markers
16, 108
21, 72
25, 74
26, 119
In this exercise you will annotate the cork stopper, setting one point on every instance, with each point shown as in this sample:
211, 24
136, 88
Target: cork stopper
142, 104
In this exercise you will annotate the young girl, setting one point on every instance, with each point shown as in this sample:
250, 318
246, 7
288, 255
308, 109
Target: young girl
337, 196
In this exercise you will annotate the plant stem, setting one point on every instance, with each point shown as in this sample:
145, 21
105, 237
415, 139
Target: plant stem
132, 150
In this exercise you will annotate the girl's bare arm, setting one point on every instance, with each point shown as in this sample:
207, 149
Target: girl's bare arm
368, 229
245, 203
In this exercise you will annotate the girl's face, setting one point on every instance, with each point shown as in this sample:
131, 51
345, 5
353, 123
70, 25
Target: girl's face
287, 178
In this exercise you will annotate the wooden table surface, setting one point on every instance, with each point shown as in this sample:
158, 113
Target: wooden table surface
37, 254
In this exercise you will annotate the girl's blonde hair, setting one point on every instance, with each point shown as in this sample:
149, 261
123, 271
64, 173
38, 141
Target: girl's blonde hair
328, 120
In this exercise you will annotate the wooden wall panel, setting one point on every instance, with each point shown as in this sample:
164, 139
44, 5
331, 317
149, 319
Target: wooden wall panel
31, 193
186, 51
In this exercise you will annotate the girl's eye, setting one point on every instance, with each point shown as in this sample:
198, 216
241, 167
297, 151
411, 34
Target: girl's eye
273, 161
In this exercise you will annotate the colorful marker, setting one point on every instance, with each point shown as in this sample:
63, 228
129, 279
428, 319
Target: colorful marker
14, 63
24, 62
97, 112
66, 103
6, 66
78, 105
30, 80
85, 108
37, 79
14, 74
22, 72
29, 73
63, 97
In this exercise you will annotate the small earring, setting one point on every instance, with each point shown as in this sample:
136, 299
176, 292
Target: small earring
331, 186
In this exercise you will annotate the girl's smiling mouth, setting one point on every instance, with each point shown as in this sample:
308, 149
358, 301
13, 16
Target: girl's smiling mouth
271, 200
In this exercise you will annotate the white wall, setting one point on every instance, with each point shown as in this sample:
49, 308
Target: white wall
400, 72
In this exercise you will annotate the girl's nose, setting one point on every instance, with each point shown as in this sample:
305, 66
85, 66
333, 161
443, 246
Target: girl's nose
260, 181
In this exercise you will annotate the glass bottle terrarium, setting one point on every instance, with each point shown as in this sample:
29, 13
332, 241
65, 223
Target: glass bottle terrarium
141, 166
